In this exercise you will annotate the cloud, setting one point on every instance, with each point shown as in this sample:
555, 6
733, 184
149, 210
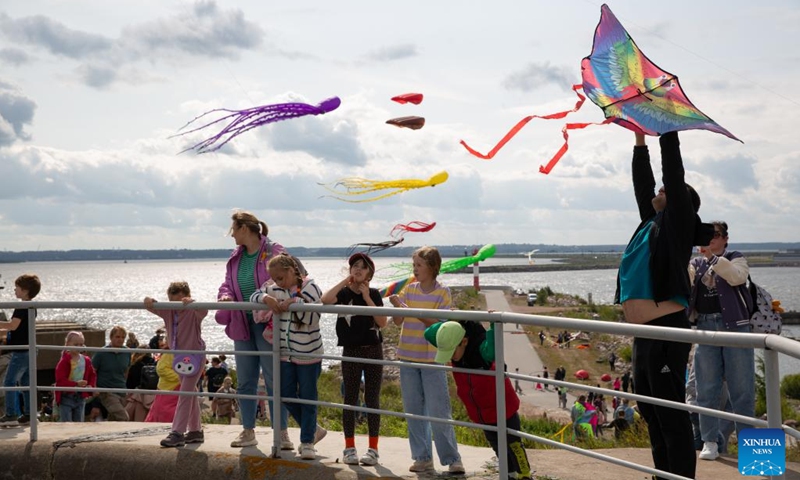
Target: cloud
327, 139
16, 111
537, 75
734, 172
53, 36
14, 56
392, 53
203, 31
97, 76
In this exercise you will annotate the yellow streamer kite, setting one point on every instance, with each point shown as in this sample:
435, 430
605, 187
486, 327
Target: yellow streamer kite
364, 186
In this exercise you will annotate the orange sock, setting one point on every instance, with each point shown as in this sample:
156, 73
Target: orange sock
373, 443
349, 442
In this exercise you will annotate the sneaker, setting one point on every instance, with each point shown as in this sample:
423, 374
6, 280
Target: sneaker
174, 439
24, 419
195, 437
421, 466
319, 434
286, 442
9, 421
709, 451
350, 456
370, 458
245, 439
456, 468
307, 451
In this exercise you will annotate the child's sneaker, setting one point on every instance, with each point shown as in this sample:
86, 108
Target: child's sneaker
421, 466
370, 458
307, 451
286, 442
195, 437
24, 419
245, 439
174, 439
350, 456
8, 421
319, 434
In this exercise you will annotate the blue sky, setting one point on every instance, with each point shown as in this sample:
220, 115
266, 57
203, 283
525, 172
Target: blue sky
91, 91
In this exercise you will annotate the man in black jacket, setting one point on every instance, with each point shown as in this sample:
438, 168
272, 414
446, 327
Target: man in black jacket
653, 288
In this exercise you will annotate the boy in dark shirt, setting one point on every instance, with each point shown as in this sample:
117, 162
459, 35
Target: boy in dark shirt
216, 376
468, 345
26, 287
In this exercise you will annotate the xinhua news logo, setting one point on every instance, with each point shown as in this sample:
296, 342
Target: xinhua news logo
762, 451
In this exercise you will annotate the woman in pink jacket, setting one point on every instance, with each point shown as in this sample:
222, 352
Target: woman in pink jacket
73, 370
245, 272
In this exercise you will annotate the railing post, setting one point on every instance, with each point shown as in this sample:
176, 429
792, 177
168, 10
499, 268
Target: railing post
276, 387
500, 396
772, 384
33, 397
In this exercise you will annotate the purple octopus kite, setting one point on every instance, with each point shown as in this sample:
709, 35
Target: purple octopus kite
243, 120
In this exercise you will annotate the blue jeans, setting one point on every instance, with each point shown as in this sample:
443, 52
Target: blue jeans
247, 370
425, 393
17, 373
300, 381
71, 408
713, 365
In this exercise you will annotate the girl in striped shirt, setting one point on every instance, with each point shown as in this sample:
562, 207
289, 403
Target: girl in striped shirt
299, 334
425, 390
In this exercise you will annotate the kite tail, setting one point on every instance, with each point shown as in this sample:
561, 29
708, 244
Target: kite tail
511, 133
561, 151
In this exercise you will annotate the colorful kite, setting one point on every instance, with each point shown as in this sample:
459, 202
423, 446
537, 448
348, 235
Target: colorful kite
415, 98
485, 252
363, 186
240, 121
373, 248
400, 229
632, 91
412, 122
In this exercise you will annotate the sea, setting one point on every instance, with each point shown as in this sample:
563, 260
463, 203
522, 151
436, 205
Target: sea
116, 281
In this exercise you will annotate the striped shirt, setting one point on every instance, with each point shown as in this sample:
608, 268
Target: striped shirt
246, 277
300, 331
412, 346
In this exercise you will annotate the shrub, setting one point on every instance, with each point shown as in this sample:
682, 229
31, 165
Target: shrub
625, 352
790, 386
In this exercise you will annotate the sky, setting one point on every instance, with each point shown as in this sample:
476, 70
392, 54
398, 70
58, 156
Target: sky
91, 93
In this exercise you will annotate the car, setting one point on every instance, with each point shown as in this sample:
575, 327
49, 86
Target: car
531, 299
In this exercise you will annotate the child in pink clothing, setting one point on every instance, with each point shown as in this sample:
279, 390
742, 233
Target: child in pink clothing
183, 331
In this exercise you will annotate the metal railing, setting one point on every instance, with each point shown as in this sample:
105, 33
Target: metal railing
771, 344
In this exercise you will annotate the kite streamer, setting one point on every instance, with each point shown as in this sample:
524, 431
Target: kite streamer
400, 229
241, 121
362, 186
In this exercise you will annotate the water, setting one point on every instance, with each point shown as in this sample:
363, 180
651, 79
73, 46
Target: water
132, 281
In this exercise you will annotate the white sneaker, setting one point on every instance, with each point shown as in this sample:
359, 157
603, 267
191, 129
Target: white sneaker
319, 434
350, 456
307, 451
421, 466
457, 468
286, 442
370, 458
245, 439
709, 451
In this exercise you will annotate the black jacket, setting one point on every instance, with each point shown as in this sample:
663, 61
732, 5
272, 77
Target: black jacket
676, 230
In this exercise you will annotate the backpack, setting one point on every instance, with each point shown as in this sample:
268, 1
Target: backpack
149, 378
763, 318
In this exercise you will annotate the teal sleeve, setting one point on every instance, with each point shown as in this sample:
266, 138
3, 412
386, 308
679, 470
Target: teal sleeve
487, 347
430, 333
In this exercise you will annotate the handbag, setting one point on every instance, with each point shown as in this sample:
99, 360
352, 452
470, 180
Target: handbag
185, 364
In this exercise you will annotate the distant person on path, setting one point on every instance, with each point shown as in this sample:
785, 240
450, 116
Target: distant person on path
424, 390
111, 369
562, 397
718, 305
245, 272
546, 375
74, 370
542, 336
216, 376
223, 362
517, 388
653, 288
468, 345
612, 361
360, 337
225, 407
26, 287
299, 334
617, 384
184, 333
581, 418
626, 378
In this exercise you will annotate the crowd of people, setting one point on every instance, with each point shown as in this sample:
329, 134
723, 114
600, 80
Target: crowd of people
653, 289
